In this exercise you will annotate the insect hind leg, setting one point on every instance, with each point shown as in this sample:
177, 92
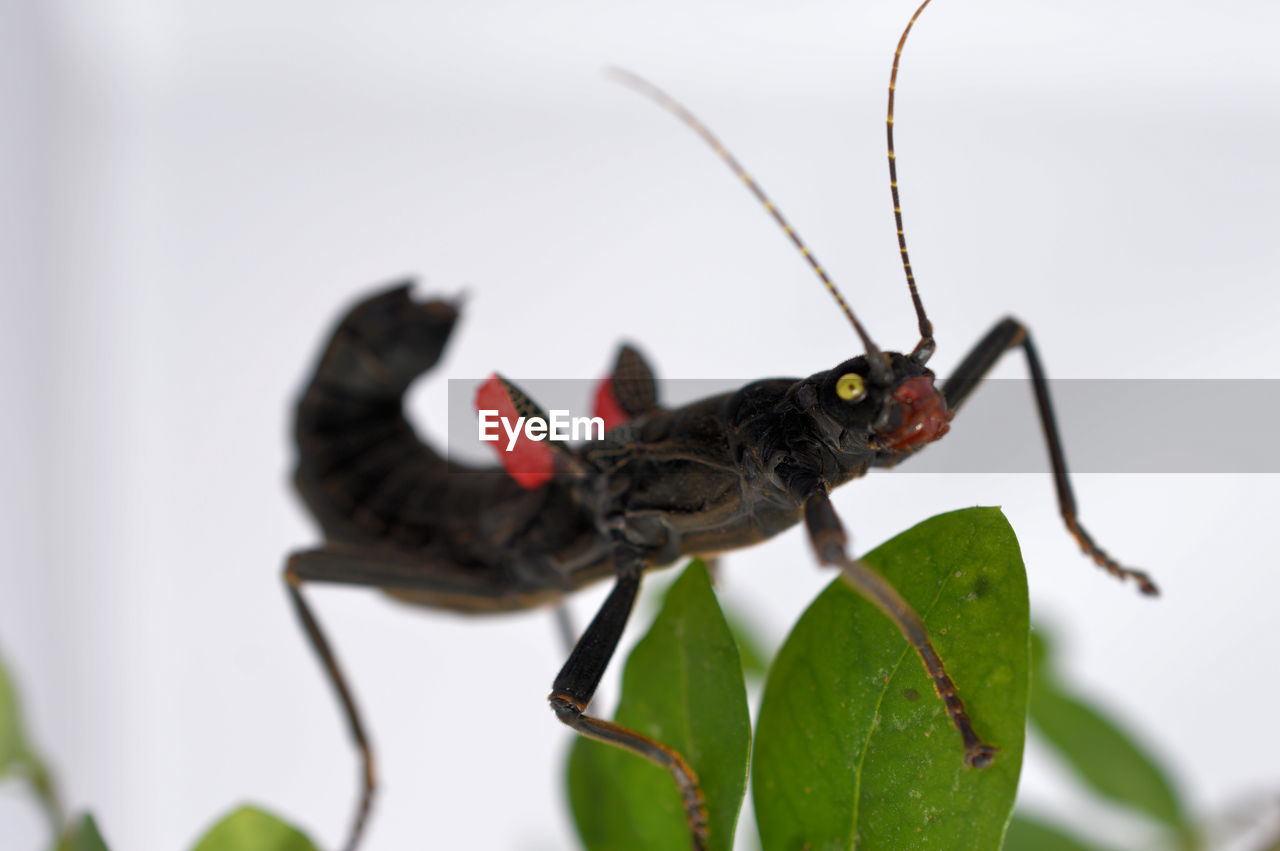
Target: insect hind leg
293, 576
410, 576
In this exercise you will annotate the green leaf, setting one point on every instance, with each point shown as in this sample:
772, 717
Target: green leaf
82, 835
853, 743
682, 687
1031, 834
251, 829
1101, 752
18, 758
13, 744
751, 647
755, 659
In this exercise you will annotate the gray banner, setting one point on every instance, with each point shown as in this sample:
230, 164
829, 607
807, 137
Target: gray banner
1107, 425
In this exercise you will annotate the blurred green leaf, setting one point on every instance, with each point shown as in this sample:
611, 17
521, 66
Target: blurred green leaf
1102, 753
682, 687
1031, 834
13, 744
251, 829
755, 659
751, 649
18, 758
853, 744
82, 835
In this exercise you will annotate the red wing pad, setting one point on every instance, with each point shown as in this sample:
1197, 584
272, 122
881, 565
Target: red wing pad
529, 462
629, 392
607, 406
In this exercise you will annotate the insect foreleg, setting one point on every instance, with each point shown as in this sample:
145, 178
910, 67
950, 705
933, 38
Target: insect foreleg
577, 681
830, 543
1007, 334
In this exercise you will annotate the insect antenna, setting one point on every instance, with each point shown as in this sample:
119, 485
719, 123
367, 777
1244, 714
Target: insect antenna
880, 369
924, 348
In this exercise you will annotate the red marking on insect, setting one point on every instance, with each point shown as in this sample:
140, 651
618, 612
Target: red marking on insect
528, 461
924, 415
607, 407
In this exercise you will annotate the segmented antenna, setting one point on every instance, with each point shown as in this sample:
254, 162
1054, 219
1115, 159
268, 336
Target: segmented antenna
881, 371
925, 347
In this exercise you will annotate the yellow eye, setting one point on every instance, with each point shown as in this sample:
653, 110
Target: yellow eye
851, 387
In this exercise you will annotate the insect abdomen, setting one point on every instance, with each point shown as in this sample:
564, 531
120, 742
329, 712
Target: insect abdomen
362, 470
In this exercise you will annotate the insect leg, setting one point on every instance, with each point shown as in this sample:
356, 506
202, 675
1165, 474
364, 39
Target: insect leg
1007, 334
407, 576
577, 681
564, 626
830, 543
369, 779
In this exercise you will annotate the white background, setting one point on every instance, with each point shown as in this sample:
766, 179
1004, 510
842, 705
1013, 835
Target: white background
192, 191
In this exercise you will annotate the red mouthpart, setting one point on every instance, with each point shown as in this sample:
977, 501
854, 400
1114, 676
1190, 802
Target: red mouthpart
924, 415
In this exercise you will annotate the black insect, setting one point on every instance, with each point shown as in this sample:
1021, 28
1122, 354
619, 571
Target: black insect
719, 474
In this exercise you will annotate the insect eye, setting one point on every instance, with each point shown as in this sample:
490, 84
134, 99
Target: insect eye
851, 387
